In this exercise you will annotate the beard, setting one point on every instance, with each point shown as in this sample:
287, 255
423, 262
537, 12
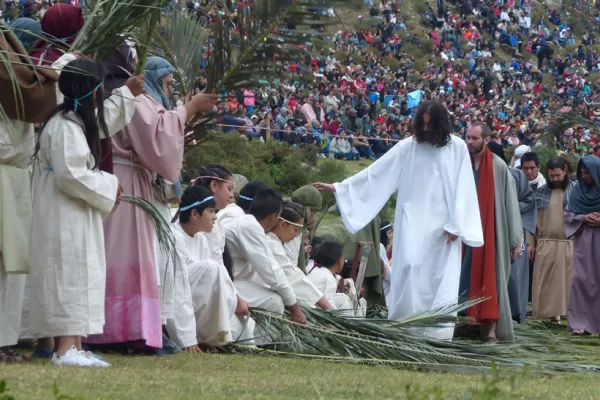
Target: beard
562, 185
474, 149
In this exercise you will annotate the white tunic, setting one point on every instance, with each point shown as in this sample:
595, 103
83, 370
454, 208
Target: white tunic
17, 145
387, 280
306, 292
205, 297
326, 282
67, 259
228, 214
257, 275
436, 193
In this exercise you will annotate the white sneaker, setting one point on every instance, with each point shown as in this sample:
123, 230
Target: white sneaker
99, 363
72, 358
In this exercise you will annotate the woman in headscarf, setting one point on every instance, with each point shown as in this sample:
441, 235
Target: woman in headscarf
27, 30
582, 225
150, 146
60, 26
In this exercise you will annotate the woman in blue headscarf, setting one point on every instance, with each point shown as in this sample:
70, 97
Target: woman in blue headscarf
582, 225
150, 146
27, 30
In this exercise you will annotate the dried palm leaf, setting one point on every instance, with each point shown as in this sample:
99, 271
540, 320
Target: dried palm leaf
332, 337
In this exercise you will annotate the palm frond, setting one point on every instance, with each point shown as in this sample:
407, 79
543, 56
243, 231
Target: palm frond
561, 121
376, 341
182, 41
108, 23
164, 234
269, 33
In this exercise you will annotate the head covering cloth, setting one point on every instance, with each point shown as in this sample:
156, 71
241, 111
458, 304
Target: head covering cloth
585, 199
156, 69
60, 26
27, 30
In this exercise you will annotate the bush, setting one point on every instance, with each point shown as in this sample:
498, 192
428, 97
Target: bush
279, 165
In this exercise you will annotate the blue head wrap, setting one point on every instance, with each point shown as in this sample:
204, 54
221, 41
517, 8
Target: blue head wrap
585, 199
156, 68
27, 30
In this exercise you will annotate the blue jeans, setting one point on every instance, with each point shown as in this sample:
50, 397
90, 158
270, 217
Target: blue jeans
366, 152
347, 156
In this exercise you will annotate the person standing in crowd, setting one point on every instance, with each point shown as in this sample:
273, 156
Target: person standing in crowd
71, 197
152, 144
436, 212
485, 270
582, 223
550, 250
530, 164
518, 283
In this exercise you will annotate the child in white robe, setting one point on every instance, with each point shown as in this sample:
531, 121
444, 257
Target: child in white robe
242, 203
290, 226
71, 198
330, 256
208, 309
257, 275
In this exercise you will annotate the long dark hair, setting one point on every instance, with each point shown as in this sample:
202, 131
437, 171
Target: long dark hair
78, 81
437, 132
213, 172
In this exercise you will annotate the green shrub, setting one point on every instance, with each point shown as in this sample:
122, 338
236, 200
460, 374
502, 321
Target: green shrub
277, 164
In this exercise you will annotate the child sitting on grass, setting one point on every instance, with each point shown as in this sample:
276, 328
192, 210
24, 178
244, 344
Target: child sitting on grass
330, 259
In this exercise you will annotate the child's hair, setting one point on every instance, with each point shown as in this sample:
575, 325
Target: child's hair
315, 244
329, 253
248, 192
213, 172
292, 212
384, 228
194, 198
266, 203
78, 82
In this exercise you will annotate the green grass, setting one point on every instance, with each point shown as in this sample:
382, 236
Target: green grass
187, 376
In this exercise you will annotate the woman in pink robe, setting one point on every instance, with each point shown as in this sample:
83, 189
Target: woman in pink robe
151, 145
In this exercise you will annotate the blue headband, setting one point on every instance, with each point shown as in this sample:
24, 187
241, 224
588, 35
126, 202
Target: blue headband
195, 204
77, 101
244, 197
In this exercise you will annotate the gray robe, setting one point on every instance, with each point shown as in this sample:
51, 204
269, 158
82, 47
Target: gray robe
509, 233
584, 302
518, 284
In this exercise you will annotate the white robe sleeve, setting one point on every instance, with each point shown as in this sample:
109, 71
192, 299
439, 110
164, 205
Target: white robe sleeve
70, 155
304, 289
362, 196
461, 194
182, 328
257, 252
118, 110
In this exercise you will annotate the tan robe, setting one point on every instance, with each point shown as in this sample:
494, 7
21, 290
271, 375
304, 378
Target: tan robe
553, 266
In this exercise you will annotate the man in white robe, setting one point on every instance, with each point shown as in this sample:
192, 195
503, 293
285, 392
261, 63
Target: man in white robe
256, 274
436, 204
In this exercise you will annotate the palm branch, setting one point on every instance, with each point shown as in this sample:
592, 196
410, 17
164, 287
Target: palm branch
164, 234
262, 44
330, 336
182, 41
561, 121
108, 23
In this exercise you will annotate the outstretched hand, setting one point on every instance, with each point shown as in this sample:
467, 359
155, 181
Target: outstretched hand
325, 187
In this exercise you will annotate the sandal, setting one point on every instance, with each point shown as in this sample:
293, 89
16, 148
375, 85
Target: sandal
491, 341
581, 332
7, 355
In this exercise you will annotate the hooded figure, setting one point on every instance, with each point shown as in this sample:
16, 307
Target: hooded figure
27, 30
156, 69
310, 198
60, 26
